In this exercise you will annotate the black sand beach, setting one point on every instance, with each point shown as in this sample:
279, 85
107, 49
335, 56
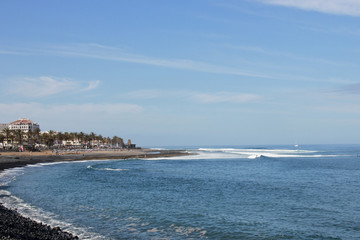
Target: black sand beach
15, 226
19, 159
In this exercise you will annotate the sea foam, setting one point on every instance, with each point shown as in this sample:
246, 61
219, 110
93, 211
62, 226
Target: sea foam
12, 202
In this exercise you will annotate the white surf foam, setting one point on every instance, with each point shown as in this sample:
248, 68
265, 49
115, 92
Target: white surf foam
114, 169
242, 153
256, 153
12, 202
107, 169
39, 215
10, 175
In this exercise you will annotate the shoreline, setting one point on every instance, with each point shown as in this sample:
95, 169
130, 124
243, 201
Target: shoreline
15, 226
20, 159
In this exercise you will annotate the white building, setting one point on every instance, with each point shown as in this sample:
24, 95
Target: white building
24, 125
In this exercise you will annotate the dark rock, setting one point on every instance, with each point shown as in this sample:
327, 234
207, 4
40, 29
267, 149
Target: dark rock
14, 226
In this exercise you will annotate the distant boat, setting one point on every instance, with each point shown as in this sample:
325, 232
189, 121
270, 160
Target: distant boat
296, 145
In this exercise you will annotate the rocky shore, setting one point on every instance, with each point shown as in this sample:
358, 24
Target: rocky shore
14, 226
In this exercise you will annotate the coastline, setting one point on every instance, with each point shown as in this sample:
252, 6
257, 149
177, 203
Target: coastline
20, 159
15, 226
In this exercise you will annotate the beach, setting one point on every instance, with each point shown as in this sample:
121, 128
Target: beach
19, 159
14, 226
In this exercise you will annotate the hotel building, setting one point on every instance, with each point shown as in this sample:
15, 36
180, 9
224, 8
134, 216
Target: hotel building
24, 125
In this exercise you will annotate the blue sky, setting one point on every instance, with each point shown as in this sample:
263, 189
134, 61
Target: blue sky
204, 72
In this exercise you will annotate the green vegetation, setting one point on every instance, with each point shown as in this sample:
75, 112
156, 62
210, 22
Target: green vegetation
53, 139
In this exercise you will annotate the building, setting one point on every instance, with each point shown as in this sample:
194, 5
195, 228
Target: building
24, 125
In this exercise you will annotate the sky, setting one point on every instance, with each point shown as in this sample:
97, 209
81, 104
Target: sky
182, 73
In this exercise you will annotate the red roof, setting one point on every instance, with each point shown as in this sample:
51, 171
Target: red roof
23, 121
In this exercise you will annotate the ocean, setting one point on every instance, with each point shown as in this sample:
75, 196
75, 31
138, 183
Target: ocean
227, 192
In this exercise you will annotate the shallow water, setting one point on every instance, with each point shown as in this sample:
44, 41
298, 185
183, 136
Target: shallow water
262, 192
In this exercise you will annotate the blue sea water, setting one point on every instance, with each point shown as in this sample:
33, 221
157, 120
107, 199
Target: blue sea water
233, 192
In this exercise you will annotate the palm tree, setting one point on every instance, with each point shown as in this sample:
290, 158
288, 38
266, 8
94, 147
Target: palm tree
100, 139
29, 137
51, 138
121, 142
32, 137
114, 140
2, 138
44, 138
12, 136
106, 140
19, 136
48, 138
117, 141
60, 137
7, 132
81, 137
66, 136
92, 138
36, 136
72, 136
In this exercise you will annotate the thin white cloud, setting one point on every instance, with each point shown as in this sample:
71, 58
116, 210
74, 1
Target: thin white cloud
76, 117
226, 97
107, 108
199, 97
263, 51
144, 94
108, 53
350, 89
338, 7
40, 87
5, 52
97, 51
351, 108
88, 111
45, 86
92, 85
116, 54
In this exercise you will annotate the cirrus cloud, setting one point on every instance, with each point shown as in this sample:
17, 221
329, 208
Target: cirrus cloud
89, 109
199, 97
226, 97
338, 7
36, 87
78, 117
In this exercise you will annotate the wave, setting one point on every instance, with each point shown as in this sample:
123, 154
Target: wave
9, 175
254, 153
107, 169
254, 156
246, 150
37, 214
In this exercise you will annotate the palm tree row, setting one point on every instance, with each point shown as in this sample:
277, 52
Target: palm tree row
52, 138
